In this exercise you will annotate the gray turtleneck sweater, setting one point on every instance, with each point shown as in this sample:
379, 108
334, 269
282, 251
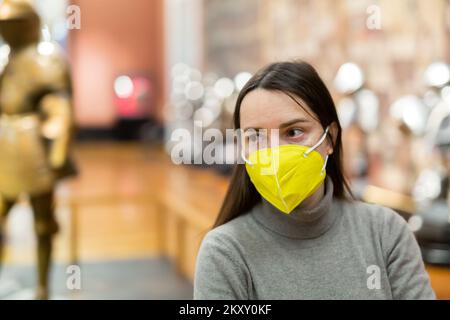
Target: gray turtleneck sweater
338, 250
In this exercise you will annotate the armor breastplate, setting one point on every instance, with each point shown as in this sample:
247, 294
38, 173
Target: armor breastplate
24, 164
32, 72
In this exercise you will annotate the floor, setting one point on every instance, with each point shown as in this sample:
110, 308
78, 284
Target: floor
111, 236
112, 232
136, 279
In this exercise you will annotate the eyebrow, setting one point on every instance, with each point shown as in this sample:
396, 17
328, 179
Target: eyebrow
283, 125
294, 121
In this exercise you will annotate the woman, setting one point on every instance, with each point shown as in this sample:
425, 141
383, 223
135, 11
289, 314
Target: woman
288, 227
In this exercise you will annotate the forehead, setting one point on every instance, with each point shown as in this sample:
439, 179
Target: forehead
269, 109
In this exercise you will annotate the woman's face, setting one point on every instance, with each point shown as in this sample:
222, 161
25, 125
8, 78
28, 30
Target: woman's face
262, 111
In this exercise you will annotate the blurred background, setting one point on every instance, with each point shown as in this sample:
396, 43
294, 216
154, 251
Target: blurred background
132, 220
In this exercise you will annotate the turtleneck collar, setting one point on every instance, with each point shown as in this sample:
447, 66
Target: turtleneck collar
302, 223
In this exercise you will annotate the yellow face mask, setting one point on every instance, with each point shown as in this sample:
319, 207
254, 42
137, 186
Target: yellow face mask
288, 174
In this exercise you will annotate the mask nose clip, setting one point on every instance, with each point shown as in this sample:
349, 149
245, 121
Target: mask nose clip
322, 139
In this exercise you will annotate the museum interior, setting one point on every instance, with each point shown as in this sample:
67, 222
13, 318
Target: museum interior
105, 87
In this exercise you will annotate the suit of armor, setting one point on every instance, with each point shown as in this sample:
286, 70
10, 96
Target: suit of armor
35, 125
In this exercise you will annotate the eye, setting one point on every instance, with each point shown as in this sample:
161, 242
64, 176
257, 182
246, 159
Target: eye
294, 133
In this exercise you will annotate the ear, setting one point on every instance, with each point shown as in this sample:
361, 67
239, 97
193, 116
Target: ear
332, 137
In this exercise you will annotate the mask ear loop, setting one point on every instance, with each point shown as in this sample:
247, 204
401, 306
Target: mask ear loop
318, 143
245, 159
325, 164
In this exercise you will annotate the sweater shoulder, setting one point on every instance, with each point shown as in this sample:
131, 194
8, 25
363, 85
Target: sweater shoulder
229, 242
376, 222
232, 233
373, 213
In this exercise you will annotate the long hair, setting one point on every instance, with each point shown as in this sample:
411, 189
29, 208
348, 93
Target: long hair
296, 79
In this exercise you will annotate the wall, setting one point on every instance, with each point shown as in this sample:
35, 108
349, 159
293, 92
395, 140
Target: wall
116, 37
413, 34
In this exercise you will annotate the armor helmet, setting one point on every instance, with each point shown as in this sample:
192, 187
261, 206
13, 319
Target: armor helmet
19, 23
